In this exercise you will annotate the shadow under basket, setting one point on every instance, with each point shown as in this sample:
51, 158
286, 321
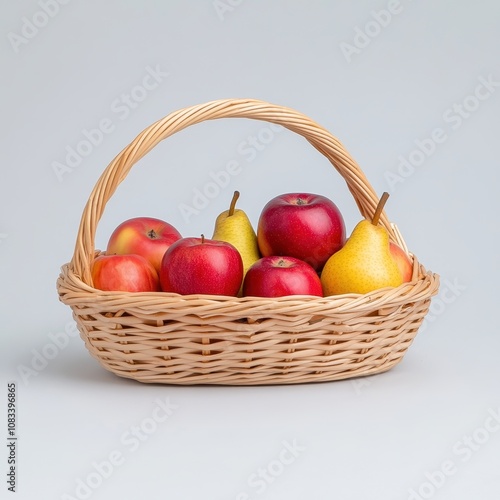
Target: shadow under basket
160, 337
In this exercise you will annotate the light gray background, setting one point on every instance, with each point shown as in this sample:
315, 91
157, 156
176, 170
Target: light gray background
377, 438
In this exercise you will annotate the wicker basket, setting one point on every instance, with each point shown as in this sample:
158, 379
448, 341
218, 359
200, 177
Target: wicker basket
202, 339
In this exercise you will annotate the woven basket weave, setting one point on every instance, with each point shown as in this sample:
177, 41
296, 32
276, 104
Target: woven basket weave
201, 339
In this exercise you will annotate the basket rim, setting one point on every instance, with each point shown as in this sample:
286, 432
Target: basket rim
425, 285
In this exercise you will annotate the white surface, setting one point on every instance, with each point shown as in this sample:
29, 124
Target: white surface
377, 438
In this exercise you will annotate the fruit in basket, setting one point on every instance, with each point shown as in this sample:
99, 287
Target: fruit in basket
403, 261
365, 263
307, 226
234, 226
277, 276
125, 273
145, 236
201, 266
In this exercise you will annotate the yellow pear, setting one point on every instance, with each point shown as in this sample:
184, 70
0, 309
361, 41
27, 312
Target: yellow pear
234, 226
365, 262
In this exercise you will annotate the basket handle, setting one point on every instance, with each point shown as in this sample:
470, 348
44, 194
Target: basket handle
362, 191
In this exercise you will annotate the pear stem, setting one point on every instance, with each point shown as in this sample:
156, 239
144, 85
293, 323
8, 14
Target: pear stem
380, 207
236, 195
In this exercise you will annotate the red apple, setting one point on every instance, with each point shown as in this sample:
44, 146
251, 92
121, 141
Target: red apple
402, 260
127, 273
144, 236
201, 266
309, 227
277, 276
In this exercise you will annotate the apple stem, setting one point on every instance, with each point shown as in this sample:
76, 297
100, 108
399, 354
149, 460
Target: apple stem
380, 207
236, 195
202, 238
